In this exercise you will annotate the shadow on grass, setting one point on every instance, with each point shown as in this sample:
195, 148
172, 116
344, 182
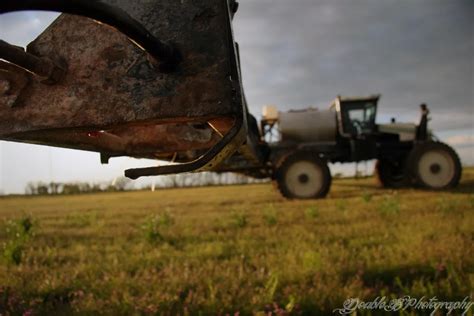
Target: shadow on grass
465, 187
355, 184
54, 302
393, 277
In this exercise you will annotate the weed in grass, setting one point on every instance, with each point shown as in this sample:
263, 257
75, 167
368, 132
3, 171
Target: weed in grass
341, 205
270, 216
212, 292
13, 252
271, 219
389, 206
153, 235
26, 224
83, 219
447, 206
367, 196
290, 306
19, 233
153, 226
271, 287
444, 206
312, 260
21, 228
215, 250
312, 212
453, 277
165, 219
240, 220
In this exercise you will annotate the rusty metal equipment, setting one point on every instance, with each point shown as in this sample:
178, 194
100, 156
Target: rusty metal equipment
146, 79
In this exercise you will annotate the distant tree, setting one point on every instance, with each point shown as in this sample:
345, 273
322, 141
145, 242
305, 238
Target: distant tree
123, 184
96, 188
54, 188
31, 188
71, 188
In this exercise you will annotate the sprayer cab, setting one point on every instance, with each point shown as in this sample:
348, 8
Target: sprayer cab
356, 116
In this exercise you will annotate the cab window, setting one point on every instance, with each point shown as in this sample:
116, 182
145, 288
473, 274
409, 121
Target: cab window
358, 117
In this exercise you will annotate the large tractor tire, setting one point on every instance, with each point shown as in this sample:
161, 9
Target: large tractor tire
435, 166
391, 174
303, 175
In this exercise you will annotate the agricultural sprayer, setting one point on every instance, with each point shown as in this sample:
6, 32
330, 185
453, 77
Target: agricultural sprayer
161, 80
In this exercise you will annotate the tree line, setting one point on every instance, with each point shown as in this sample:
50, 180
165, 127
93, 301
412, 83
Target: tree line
69, 188
124, 184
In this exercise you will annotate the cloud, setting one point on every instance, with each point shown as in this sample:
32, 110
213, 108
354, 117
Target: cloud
20, 28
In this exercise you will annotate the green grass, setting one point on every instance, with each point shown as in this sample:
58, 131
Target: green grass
223, 250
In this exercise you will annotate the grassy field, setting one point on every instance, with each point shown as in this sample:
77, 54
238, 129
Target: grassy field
235, 249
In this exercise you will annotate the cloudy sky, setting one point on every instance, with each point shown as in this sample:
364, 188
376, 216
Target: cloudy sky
304, 53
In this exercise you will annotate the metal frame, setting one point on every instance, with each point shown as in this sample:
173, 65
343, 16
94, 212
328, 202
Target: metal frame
228, 145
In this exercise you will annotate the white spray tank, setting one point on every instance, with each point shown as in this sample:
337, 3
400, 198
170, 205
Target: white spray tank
308, 125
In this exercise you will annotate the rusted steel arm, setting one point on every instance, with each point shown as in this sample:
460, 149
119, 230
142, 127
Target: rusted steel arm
42, 67
167, 54
217, 154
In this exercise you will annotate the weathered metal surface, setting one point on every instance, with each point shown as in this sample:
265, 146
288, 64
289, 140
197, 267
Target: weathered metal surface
146, 139
41, 67
216, 155
164, 53
13, 80
110, 81
114, 100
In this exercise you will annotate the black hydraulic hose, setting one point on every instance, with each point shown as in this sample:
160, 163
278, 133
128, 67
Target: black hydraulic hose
168, 56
